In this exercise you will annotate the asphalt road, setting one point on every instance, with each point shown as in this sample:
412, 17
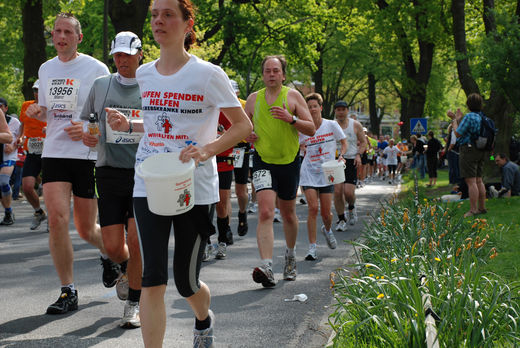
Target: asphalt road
247, 315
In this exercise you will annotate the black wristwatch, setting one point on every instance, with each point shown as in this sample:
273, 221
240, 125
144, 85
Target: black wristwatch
294, 119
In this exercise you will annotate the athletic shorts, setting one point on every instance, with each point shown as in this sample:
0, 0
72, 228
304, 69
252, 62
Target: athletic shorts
350, 172
9, 163
191, 231
80, 173
115, 188
225, 179
471, 161
392, 168
281, 178
324, 189
32, 165
241, 174
364, 159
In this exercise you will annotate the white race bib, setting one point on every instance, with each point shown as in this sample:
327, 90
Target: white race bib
62, 94
35, 146
117, 137
262, 179
238, 154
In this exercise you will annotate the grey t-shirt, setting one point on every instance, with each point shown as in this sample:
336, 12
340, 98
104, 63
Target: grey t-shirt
107, 91
511, 178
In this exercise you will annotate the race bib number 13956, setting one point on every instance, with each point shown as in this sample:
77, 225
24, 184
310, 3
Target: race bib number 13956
62, 94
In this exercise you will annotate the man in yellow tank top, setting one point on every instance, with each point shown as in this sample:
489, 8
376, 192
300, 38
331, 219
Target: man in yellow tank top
278, 114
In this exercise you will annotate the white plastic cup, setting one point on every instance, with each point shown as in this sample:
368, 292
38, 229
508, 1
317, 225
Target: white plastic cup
169, 183
334, 172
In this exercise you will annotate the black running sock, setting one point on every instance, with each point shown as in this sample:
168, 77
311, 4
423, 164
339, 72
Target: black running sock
223, 227
341, 217
39, 211
242, 217
351, 207
202, 324
134, 295
123, 266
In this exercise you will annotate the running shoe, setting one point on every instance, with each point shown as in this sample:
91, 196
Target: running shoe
38, 218
111, 272
352, 216
122, 287
329, 236
221, 251
205, 338
8, 219
131, 318
264, 275
207, 253
277, 217
341, 225
252, 208
289, 271
303, 201
67, 302
311, 255
229, 237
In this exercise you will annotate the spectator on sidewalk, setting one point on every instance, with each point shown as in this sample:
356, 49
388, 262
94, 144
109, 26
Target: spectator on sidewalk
432, 158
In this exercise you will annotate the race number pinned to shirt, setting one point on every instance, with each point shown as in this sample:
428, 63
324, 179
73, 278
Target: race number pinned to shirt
35, 146
117, 137
62, 94
238, 154
262, 179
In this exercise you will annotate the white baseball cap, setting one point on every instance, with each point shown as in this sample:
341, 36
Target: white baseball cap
36, 84
126, 42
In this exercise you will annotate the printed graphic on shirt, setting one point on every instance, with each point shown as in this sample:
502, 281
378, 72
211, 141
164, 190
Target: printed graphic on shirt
62, 94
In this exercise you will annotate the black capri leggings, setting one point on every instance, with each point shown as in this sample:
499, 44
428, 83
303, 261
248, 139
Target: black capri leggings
431, 163
191, 231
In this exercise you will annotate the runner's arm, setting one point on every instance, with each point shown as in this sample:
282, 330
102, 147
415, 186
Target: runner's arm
5, 134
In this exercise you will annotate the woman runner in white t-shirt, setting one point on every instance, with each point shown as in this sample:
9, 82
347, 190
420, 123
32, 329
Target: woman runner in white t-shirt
181, 100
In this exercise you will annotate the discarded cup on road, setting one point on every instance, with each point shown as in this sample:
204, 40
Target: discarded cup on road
299, 297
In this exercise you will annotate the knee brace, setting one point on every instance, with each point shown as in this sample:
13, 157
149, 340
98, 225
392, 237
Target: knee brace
4, 185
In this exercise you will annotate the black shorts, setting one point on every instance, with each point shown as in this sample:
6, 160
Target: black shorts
32, 165
241, 174
191, 231
225, 179
324, 189
115, 188
350, 172
364, 159
281, 178
80, 173
392, 168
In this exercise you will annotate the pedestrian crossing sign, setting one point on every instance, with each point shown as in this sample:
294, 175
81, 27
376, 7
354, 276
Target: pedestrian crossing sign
418, 125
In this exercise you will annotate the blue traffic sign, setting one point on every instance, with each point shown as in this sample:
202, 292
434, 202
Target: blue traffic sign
418, 126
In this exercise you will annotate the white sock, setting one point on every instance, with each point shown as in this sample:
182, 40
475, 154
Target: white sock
267, 263
71, 286
290, 252
103, 256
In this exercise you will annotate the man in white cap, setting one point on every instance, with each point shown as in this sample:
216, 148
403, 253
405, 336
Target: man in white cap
115, 168
32, 143
67, 164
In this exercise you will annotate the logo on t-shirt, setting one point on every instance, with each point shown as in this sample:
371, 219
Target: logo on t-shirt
163, 123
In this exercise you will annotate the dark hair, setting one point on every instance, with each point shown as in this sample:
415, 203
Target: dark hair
474, 102
430, 133
280, 58
69, 15
502, 155
314, 96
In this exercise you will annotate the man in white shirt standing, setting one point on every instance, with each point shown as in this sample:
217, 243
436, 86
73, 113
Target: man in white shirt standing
67, 164
391, 152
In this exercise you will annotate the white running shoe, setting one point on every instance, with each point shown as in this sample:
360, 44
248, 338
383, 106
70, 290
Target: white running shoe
341, 226
131, 318
221, 251
277, 217
122, 287
352, 216
205, 338
311, 255
329, 236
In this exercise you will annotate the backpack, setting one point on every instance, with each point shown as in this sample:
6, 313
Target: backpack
485, 140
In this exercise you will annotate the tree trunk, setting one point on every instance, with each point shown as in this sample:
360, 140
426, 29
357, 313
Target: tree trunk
128, 16
34, 45
372, 107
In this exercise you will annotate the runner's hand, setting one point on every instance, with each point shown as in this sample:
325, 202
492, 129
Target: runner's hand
34, 110
198, 154
75, 131
116, 120
9, 148
89, 139
357, 161
252, 138
281, 113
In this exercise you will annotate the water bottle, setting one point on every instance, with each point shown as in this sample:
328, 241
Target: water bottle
93, 124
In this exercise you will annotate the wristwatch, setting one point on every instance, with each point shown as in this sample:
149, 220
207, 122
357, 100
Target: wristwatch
294, 119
